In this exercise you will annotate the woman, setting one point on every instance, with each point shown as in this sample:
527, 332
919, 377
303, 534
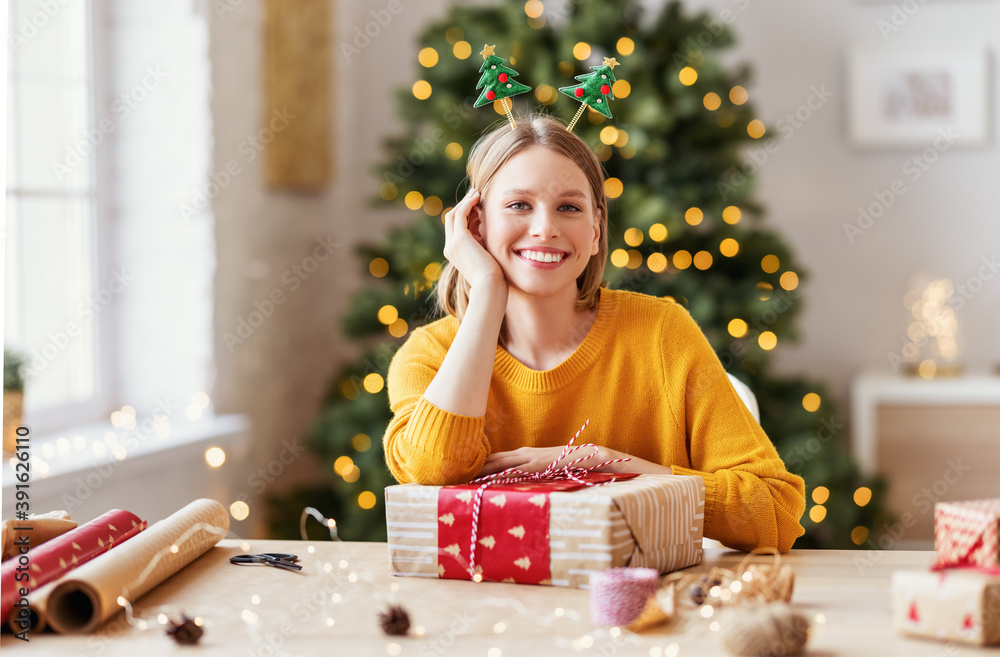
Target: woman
533, 346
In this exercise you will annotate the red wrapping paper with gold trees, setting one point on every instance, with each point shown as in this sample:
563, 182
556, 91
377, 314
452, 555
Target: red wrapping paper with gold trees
967, 533
49, 561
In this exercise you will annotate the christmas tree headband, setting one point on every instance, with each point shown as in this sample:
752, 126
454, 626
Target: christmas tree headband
498, 83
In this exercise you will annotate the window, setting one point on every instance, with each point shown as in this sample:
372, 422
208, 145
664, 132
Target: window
53, 301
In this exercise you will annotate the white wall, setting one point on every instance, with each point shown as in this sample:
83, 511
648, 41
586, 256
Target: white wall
943, 225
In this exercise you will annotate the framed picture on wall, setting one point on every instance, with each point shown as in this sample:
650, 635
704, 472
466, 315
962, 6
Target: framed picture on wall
910, 96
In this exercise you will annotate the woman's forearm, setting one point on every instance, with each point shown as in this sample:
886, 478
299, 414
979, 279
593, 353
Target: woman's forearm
461, 386
634, 465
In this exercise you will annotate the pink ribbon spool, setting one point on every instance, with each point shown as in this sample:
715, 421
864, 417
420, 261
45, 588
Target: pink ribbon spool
618, 595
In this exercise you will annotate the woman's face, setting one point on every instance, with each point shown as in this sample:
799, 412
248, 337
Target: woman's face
538, 222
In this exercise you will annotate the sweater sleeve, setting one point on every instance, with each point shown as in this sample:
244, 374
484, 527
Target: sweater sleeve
751, 500
423, 443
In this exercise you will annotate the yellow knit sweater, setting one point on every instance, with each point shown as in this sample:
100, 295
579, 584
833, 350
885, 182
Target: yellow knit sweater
651, 386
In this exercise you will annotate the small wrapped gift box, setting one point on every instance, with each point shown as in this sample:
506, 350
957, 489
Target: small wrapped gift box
967, 533
961, 604
548, 532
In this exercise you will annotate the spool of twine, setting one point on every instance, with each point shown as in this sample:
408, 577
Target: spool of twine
748, 583
764, 630
619, 595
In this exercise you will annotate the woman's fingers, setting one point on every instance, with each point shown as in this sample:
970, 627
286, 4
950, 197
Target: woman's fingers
457, 217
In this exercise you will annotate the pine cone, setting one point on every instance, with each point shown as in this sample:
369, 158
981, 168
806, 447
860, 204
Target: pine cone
394, 621
185, 633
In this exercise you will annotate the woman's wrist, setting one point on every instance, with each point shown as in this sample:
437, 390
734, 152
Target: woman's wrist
490, 291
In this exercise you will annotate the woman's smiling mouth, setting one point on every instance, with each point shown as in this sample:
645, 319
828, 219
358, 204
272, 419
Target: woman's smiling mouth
541, 256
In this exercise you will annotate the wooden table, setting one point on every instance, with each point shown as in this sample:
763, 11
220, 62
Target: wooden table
330, 608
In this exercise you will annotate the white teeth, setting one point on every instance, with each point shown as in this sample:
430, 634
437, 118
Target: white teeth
539, 256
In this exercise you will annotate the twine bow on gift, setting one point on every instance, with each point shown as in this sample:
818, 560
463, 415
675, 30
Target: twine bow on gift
513, 475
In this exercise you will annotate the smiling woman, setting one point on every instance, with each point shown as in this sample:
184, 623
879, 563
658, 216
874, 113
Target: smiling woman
534, 346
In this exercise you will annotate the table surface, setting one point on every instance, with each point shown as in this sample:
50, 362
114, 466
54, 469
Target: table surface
332, 605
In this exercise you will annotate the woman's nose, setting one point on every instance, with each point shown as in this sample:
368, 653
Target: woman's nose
543, 223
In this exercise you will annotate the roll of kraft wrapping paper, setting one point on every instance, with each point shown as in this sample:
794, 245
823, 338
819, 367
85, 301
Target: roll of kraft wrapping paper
88, 596
55, 557
37, 618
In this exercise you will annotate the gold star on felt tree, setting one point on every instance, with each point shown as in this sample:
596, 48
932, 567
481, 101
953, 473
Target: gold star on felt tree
610, 62
487, 51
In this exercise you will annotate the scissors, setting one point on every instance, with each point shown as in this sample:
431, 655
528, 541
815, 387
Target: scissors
276, 559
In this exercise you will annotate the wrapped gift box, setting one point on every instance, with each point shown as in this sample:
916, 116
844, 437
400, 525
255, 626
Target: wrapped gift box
961, 604
967, 533
553, 533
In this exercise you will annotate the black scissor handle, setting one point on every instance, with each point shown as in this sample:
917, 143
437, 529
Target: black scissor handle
276, 559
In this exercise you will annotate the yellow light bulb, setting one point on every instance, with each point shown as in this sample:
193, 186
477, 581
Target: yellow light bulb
428, 57
687, 76
422, 89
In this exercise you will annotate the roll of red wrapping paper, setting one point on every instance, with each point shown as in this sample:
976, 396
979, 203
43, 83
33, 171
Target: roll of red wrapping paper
62, 554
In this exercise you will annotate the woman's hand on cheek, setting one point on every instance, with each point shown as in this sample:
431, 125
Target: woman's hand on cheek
464, 249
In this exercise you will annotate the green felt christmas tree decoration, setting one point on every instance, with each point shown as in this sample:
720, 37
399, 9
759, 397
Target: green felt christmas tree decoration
497, 82
683, 223
594, 90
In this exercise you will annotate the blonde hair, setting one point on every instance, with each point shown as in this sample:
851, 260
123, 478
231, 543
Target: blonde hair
489, 154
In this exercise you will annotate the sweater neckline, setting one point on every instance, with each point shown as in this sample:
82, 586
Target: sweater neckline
515, 372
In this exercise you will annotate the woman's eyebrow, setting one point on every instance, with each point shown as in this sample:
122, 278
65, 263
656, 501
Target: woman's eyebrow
572, 193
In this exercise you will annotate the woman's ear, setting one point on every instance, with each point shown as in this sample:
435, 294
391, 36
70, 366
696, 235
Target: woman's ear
597, 237
476, 221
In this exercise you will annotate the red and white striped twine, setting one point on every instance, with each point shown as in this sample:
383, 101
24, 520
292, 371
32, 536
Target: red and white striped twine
550, 473
619, 595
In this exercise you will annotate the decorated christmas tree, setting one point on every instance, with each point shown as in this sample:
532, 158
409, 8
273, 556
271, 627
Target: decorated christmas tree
683, 223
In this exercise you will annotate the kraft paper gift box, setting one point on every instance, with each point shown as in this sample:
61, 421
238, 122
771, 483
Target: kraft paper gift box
967, 533
552, 532
958, 604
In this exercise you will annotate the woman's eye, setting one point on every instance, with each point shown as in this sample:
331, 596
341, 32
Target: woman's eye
572, 208
518, 205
